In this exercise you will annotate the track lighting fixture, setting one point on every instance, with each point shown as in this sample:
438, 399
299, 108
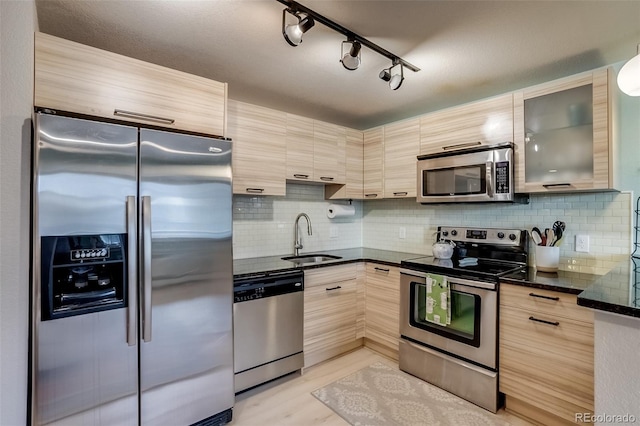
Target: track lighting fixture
629, 76
395, 80
293, 32
350, 59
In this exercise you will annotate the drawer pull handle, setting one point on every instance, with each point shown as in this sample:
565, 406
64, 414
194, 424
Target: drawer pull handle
298, 176
544, 297
381, 269
327, 178
131, 114
556, 185
370, 195
400, 194
255, 190
556, 323
334, 288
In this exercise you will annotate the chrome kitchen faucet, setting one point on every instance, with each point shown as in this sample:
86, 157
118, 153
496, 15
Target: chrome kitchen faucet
297, 242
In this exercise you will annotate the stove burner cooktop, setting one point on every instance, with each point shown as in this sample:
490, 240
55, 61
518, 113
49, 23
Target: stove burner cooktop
498, 252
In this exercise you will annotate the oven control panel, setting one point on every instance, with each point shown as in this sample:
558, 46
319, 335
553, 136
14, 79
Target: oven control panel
499, 236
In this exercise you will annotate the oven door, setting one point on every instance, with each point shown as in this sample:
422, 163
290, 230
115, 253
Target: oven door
472, 334
480, 176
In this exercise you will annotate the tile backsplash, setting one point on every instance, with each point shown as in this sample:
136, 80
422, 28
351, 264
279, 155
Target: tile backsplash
263, 226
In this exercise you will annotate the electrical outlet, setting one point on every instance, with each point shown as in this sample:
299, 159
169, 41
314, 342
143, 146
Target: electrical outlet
333, 231
402, 233
582, 243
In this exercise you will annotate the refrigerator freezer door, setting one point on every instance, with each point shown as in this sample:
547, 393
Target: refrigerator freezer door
84, 370
186, 356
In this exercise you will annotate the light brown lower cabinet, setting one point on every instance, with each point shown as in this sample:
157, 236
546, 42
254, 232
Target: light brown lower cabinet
546, 355
382, 309
330, 315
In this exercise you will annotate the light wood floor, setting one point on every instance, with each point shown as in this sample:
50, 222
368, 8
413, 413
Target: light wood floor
288, 401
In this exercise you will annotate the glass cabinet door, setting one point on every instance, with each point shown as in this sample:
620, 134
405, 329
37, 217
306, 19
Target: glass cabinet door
561, 134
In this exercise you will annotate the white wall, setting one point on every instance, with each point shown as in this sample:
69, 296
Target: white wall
617, 355
17, 24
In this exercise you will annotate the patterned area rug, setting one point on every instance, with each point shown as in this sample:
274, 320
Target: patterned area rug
383, 395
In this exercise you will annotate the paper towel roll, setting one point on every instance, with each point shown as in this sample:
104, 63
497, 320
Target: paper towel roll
340, 210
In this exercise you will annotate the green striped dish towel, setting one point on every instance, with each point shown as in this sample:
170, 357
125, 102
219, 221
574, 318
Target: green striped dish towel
438, 300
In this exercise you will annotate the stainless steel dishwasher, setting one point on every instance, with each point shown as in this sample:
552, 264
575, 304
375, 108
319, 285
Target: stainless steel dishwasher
267, 327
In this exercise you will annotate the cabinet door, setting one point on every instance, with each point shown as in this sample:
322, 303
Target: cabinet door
401, 147
299, 148
373, 163
382, 308
77, 78
330, 296
329, 153
546, 352
562, 135
353, 189
259, 157
485, 122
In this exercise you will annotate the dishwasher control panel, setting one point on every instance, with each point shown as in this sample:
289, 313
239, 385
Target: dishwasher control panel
260, 286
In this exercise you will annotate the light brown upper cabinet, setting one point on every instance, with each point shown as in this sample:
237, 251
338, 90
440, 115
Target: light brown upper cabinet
259, 149
353, 189
373, 163
562, 135
329, 152
401, 147
485, 122
299, 148
81, 79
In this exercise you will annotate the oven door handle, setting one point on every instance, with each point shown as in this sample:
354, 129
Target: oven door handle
451, 280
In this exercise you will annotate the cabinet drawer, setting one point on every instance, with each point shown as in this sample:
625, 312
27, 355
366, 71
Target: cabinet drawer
551, 366
76, 78
330, 275
544, 302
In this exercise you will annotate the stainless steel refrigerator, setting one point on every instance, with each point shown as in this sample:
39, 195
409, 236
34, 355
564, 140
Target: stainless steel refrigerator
132, 291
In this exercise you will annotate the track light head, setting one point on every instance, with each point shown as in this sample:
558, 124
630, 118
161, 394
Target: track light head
293, 32
351, 60
385, 74
395, 80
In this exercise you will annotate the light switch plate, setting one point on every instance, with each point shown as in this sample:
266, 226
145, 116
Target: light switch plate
582, 243
333, 231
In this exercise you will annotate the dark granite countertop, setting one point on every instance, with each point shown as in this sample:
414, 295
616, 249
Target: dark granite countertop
618, 291
245, 267
561, 281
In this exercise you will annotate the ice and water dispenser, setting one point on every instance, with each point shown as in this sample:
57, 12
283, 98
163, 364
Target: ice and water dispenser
82, 274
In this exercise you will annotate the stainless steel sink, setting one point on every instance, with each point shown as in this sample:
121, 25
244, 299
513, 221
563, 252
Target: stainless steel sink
309, 259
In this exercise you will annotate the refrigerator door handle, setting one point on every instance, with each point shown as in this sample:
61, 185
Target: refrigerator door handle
132, 278
146, 268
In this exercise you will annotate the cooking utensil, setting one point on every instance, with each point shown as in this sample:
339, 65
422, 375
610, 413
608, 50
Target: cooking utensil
558, 237
550, 236
536, 235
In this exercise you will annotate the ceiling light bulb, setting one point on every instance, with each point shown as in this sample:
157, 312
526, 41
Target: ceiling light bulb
293, 32
351, 59
629, 76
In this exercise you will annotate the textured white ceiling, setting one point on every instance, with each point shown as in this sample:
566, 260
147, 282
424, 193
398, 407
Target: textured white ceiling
466, 50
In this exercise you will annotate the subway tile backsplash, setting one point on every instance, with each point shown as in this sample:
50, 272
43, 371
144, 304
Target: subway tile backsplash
263, 226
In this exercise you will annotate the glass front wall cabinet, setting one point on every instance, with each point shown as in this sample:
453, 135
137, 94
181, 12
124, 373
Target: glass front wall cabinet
562, 135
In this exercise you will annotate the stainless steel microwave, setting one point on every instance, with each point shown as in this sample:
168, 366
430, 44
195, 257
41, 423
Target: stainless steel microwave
479, 174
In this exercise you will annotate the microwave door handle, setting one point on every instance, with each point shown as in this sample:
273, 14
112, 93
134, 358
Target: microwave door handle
489, 179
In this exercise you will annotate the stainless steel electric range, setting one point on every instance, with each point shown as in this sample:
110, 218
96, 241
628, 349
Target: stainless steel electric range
460, 357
